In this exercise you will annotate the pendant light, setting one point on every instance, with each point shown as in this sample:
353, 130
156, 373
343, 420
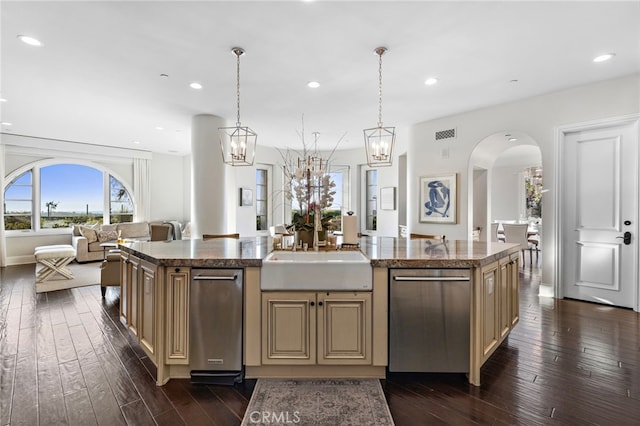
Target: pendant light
238, 143
379, 141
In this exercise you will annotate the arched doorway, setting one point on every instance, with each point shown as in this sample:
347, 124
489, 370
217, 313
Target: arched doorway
505, 185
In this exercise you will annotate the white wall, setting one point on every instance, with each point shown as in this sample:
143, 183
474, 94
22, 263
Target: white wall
505, 203
538, 117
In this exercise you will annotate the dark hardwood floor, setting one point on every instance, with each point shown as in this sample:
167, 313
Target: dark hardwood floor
66, 359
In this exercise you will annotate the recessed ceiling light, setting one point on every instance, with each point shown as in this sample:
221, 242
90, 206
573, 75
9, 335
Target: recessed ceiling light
163, 75
513, 139
3, 100
604, 57
136, 142
6, 124
313, 84
431, 81
195, 85
29, 40
159, 128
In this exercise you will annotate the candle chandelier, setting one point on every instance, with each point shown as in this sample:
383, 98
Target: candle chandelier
379, 141
238, 143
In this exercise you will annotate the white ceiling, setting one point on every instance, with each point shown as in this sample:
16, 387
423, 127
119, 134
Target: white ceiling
97, 77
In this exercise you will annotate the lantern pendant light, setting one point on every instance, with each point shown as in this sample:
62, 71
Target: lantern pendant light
379, 141
238, 143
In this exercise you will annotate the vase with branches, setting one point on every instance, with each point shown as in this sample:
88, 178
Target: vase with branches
308, 181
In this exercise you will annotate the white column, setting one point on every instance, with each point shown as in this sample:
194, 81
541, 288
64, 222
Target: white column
208, 199
3, 241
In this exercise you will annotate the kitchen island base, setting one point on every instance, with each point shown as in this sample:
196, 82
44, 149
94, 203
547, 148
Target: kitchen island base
315, 372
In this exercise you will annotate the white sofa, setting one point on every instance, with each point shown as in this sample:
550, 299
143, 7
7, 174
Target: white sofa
88, 247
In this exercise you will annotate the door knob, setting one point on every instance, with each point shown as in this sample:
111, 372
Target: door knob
626, 238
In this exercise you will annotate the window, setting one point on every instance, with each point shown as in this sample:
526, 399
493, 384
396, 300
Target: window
262, 223
120, 204
18, 202
58, 195
339, 175
533, 191
70, 193
371, 199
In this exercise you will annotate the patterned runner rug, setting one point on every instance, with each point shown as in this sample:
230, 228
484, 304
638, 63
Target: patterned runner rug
320, 402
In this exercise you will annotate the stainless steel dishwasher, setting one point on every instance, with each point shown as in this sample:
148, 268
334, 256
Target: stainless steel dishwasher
429, 325
215, 329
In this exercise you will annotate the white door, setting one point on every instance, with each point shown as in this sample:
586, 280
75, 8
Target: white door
599, 204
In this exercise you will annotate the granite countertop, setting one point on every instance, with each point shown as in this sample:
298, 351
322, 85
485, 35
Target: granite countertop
214, 253
385, 252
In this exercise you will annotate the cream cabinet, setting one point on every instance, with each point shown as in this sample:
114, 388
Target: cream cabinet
490, 314
504, 305
138, 301
514, 288
129, 292
177, 315
309, 328
499, 305
147, 297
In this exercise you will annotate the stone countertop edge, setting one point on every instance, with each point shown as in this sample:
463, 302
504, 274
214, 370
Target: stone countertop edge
408, 254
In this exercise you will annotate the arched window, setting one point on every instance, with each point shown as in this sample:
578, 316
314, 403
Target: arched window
58, 195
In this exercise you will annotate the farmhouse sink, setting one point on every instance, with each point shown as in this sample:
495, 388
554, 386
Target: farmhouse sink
318, 271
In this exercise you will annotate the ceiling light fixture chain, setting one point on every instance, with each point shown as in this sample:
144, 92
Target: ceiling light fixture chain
238, 144
380, 51
239, 52
379, 141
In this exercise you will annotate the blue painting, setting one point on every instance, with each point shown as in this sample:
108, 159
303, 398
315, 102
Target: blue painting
438, 199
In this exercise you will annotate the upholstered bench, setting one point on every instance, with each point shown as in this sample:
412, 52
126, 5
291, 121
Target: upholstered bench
54, 259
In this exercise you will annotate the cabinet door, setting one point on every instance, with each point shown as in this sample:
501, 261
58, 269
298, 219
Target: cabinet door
133, 268
344, 328
124, 289
177, 314
147, 308
288, 328
489, 310
504, 297
514, 289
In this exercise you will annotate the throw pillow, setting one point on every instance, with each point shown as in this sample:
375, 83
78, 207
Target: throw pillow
109, 227
107, 236
89, 233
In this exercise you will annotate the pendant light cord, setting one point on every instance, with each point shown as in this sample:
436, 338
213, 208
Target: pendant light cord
238, 53
380, 52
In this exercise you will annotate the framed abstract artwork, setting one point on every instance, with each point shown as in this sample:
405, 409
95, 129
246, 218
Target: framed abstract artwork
438, 198
388, 198
246, 197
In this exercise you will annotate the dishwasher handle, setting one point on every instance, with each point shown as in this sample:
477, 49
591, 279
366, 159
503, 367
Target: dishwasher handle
215, 278
401, 278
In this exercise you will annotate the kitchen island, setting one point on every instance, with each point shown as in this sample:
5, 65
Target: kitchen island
307, 333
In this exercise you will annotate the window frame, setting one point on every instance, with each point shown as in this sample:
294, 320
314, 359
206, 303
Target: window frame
291, 205
264, 198
35, 206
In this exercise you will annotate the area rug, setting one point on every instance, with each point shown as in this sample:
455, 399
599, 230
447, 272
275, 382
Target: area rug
320, 402
83, 275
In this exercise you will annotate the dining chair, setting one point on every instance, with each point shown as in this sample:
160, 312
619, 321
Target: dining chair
211, 236
428, 236
494, 232
517, 233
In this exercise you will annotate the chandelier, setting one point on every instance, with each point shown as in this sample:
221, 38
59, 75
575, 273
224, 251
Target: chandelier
379, 141
238, 143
